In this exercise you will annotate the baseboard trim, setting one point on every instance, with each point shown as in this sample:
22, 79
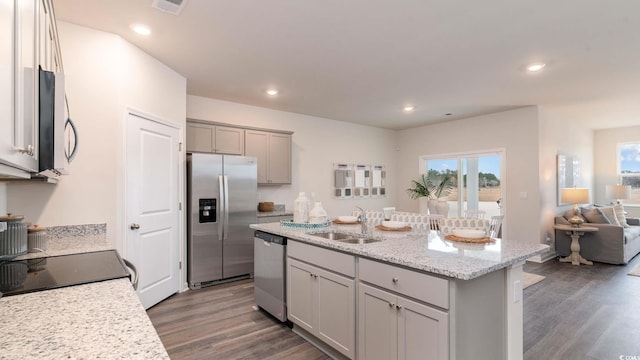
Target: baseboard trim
319, 344
542, 257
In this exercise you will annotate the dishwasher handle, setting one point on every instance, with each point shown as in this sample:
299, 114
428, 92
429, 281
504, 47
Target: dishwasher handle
270, 238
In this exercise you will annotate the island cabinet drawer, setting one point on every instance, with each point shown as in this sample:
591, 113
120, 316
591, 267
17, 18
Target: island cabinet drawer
329, 259
420, 286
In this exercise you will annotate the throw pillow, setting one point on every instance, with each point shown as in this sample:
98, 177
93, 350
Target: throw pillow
619, 210
610, 214
594, 216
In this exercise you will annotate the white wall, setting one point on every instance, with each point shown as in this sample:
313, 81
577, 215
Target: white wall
87, 195
516, 131
605, 155
318, 143
3, 199
104, 75
562, 135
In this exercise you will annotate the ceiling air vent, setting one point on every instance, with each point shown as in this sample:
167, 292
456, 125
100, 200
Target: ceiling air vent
170, 6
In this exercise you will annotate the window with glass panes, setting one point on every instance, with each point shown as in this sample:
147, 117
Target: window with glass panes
629, 169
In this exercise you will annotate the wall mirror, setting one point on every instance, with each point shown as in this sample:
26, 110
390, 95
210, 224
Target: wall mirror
568, 174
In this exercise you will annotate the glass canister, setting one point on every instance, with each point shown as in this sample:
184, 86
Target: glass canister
37, 239
13, 240
301, 209
317, 215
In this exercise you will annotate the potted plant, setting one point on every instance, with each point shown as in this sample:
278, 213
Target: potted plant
433, 188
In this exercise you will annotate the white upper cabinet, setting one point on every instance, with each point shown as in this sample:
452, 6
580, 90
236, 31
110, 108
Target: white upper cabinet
50, 56
28, 39
18, 126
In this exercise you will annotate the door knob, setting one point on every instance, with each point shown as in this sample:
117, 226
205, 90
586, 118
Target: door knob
135, 226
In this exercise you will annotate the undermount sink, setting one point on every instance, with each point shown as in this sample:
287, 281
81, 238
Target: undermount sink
332, 235
345, 238
359, 240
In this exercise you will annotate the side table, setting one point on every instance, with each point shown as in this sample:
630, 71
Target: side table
575, 233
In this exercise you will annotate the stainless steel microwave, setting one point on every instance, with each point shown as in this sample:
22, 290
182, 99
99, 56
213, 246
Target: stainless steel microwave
57, 134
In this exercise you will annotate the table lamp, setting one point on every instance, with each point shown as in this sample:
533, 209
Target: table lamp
618, 192
575, 196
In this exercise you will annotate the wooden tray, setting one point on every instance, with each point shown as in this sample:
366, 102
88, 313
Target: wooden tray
482, 240
338, 222
384, 228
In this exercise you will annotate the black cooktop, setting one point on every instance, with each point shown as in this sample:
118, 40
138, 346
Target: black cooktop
23, 276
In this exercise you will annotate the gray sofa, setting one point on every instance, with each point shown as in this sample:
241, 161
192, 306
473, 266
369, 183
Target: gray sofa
612, 244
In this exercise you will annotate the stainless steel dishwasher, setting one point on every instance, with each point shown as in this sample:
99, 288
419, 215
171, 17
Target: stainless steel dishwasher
270, 273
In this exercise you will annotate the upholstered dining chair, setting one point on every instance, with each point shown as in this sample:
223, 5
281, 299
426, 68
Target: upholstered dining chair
495, 226
418, 222
465, 223
373, 217
476, 214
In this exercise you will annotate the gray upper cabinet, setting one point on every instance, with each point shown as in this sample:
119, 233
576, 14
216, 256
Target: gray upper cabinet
273, 151
214, 139
272, 148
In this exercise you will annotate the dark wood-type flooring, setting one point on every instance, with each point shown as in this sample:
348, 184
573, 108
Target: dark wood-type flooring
582, 312
220, 322
585, 313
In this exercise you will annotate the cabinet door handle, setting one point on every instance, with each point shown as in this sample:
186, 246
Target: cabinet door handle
28, 150
398, 307
391, 305
134, 226
395, 280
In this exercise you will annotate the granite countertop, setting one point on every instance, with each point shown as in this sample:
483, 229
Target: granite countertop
275, 213
421, 251
98, 320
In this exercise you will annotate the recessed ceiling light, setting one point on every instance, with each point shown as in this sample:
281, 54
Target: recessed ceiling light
535, 67
141, 29
408, 108
272, 92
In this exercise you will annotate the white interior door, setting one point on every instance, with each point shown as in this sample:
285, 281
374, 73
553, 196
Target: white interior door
152, 214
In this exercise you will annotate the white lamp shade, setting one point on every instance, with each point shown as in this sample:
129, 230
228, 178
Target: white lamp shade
575, 195
618, 191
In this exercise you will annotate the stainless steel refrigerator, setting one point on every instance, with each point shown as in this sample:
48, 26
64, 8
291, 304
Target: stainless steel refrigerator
222, 202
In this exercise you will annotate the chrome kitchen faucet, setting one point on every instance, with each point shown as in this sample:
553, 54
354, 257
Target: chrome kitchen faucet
363, 222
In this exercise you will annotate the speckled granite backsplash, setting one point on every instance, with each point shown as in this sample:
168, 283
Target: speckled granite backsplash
71, 239
77, 237
57, 232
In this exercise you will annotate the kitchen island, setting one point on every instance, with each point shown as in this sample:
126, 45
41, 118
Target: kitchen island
448, 300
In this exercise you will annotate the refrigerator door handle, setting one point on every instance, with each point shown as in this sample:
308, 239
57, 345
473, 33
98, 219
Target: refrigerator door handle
221, 208
226, 206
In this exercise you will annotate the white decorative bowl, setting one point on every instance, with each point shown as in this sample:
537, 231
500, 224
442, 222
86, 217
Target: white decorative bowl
469, 233
394, 224
347, 219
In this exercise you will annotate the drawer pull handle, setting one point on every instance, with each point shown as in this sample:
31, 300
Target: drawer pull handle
395, 280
